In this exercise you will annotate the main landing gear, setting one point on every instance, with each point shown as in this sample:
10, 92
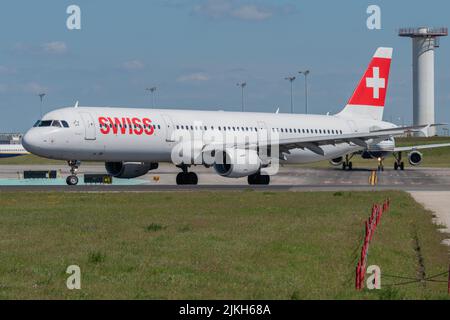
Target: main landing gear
72, 180
258, 178
347, 164
186, 177
399, 164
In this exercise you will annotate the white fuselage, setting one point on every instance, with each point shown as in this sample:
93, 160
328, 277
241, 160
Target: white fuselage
90, 135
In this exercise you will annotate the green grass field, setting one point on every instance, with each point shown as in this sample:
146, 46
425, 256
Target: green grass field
215, 245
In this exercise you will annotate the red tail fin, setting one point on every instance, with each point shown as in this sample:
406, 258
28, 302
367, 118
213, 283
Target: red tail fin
369, 97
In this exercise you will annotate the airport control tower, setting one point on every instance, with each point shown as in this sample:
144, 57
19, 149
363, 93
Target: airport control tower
424, 40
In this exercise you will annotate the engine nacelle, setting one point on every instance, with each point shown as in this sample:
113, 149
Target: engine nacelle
238, 163
129, 170
337, 161
415, 158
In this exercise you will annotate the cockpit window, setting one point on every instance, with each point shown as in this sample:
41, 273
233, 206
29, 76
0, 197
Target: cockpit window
45, 123
51, 123
56, 123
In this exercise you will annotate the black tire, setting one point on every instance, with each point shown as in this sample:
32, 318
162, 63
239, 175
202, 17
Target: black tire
402, 166
72, 180
251, 179
265, 180
192, 178
180, 178
350, 165
395, 166
344, 166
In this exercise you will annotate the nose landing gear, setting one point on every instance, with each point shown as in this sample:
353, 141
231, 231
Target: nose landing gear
72, 180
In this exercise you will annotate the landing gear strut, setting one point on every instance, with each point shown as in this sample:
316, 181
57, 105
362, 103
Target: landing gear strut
72, 180
347, 163
258, 178
186, 177
399, 164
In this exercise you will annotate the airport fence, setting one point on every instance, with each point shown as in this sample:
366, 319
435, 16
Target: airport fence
371, 225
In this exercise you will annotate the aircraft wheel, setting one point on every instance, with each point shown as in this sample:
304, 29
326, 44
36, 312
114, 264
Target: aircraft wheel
402, 166
344, 166
264, 180
184, 178
72, 180
350, 165
395, 166
192, 178
255, 179
180, 178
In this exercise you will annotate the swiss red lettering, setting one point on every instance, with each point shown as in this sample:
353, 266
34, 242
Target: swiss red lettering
119, 125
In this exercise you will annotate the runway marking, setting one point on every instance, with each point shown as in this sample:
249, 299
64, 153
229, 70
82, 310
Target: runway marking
373, 178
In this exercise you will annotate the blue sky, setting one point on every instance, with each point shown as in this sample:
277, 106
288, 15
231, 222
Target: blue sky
195, 51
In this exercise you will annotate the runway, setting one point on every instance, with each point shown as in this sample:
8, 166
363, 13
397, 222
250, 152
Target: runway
289, 178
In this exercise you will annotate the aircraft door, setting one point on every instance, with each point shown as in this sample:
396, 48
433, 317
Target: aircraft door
353, 126
89, 126
169, 128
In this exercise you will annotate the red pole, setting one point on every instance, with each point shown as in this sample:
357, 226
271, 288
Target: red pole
448, 286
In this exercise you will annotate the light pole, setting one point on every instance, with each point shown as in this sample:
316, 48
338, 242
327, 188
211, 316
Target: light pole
152, 92
41, 96
291, 80
242, 85
305, 73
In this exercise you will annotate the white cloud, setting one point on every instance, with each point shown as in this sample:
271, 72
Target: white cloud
251, 12
214, 8
193, 77
133, 65
4, 70
237, 10
34, 88
55, 47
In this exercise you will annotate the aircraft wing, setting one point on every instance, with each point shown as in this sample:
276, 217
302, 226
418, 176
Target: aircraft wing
421, 147
315, 143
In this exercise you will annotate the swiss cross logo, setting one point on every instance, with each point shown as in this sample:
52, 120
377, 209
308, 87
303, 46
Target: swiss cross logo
372, 88
376, 83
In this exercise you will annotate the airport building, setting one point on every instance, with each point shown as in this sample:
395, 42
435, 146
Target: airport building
11, 138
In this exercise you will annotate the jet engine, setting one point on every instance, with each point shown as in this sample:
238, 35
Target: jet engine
337, 161
415, 158
238, 163
129, 170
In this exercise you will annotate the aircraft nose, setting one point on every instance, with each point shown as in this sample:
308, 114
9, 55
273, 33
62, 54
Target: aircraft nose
30, 142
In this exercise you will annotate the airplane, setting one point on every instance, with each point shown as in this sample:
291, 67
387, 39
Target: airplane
132, 142
12, 150
385, 148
